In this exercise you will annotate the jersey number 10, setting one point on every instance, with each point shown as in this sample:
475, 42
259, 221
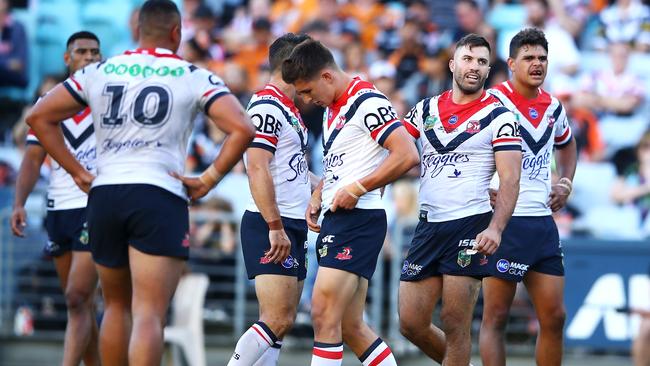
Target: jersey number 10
150, 107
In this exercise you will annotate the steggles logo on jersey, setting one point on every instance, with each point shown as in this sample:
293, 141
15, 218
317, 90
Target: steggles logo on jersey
298, 166
434, 163
344, 255
116, 146
534, 166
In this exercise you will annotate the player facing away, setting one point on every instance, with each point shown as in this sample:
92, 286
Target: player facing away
365, 148
531, 251
142, 103
66, 214
466, 134
273, 228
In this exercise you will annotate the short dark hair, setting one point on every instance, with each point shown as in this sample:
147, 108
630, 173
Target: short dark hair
281, 48
530, 37
157, 17
472, 3
473, 40
306, 61
81, 35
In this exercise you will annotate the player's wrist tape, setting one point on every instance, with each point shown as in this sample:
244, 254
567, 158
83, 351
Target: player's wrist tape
566, 183
210, 176
351, 194
360, 186
275, 225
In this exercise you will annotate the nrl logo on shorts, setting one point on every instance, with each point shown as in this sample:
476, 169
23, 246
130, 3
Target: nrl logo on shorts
322, 252
430, 122
464, 259
83, 238
344, 255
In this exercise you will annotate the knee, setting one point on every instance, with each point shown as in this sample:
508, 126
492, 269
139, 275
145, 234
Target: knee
77, 300
411, 327
495, 318
352, 330
455, 322
318, 315
280, 324
553, 320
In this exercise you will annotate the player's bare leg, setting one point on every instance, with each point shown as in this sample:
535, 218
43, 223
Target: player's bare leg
81, 331
154, 280
459, 294
417, 299
640, 348
333, 291
116, 324
497, 299
356, 333
277, 296
62, 265
547, 294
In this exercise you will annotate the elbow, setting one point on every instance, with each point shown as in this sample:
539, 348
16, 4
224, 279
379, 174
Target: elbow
413, 159
248, 131
31, 119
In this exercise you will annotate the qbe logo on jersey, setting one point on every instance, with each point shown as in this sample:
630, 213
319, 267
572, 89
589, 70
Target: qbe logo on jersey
513, 268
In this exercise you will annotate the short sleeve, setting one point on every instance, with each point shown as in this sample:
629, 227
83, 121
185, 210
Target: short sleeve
505, 131
378, 118
208, 86
562, 128
268, 118
413, 120
77, 84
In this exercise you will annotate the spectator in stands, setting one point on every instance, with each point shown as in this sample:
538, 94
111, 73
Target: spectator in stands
625, 21
570, 15
410, 53
354, 60
132, 42
616, 96
13, 50
633, 186
433, 77
471, 19
382, 75
367, 13
256, 54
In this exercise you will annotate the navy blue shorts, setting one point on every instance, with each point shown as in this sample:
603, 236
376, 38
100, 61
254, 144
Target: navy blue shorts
441, 248
255, 242
350, 240
528, 243
66, 231
148, 218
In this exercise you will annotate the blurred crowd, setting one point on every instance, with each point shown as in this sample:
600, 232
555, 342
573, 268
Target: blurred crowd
598, 51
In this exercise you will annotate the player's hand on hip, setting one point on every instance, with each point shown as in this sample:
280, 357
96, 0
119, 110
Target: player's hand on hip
347, 197
558, 197
493, 196
280, 246
84, 180
488, 240
18, 221
312, 213
194, 186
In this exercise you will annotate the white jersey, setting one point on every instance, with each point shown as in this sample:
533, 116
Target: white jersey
458, 146
543, 124
143, 104
280, 130
79, 136
354, 129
